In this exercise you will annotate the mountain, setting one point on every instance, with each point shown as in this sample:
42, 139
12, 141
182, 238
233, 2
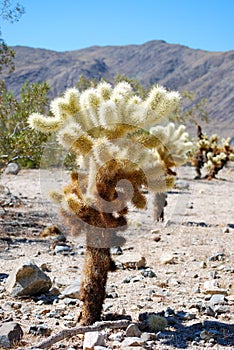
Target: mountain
207, 74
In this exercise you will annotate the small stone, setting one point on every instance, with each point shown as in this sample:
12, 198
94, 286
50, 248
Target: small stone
127, 279
204, 335
92, 339
116, 336
3, 276
226, 230
167, 258
146, 336
69, 301
155, 231
196, 289
73, 290
10, 334
148, 273
28, 279
216, 257
213, 274
132, 260
132, 341
116, 251
68, 318
220, 309
62, 249
217, 299
181, 185
203, 265
12, 169
40, 329
212, 287
133, 331
157, 238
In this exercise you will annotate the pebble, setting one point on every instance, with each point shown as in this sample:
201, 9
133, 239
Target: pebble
73, 290
212, 287
217, 299
148, 273
132, 341
132, 260
133, 331
92, 339
40, 329
10, 334
116, 251
116, 336
216, 257
147, 336
12, 169
69, 301
62, 249
202, 264
167, 258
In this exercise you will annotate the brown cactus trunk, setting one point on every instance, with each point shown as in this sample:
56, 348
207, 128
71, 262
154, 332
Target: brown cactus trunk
93, 285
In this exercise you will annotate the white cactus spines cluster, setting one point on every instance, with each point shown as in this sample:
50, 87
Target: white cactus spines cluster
174, 141
106, 122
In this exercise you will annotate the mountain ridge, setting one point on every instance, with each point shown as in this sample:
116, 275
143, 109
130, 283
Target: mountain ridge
207, 74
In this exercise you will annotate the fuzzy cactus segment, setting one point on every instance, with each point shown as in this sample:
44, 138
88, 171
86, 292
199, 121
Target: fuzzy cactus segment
115, 135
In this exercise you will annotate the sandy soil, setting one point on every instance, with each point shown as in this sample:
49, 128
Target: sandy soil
197, 237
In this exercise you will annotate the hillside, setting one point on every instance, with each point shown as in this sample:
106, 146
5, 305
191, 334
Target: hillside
208, 74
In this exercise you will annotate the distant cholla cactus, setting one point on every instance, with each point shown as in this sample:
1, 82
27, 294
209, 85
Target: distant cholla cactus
211, 155
119, 145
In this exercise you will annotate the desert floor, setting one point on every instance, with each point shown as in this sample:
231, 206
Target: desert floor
194, 245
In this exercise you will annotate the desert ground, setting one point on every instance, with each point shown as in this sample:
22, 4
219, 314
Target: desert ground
189, 258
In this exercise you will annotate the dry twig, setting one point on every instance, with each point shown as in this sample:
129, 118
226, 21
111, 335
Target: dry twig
65, 333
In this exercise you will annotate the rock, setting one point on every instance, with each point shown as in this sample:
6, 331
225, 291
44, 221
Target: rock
133, 331
69, 301
216, 257
217, 299
167, 258
62, 249
12, 169
27, 280
10, 334
202, 264
148, 273
132, 341
181, 185
3, 276
116, 336
73, 290
212, 287
157, 238
146, 336
132, 260
39, 329
155, 231
92, 339
226, 230
116, 251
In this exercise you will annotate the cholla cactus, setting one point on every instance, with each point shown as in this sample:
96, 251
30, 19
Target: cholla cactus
211, 155
119, 144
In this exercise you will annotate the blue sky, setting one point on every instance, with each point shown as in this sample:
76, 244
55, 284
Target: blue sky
63, 25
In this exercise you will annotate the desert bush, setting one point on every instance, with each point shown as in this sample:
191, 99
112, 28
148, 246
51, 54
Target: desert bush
17, 142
